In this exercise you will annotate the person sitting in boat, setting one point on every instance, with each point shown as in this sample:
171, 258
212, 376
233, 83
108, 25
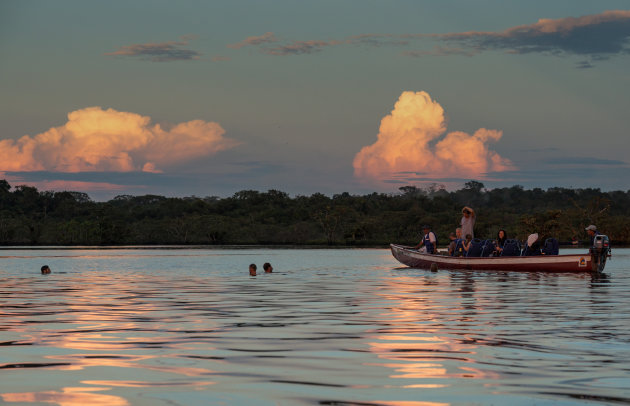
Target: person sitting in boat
468, 221
452, 244
592, 232
533, 245
500, 242
467, 242
456, 247
429, 241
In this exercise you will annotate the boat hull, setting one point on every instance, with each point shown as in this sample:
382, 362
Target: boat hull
543, 263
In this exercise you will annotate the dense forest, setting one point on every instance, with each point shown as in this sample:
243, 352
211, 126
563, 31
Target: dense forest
32, 217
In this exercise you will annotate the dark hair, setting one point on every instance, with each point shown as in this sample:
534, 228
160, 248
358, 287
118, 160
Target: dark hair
501, 241
252, 266
266, 266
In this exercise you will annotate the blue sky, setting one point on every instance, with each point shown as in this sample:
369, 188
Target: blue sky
209, 98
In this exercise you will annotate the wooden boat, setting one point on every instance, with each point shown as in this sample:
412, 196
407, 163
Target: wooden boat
592, 261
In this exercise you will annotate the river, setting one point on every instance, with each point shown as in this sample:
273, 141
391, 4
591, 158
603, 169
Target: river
164, 326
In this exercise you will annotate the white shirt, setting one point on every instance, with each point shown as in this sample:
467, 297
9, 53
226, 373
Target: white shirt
467, 226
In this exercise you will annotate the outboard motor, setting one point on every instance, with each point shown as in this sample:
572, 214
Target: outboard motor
600, 251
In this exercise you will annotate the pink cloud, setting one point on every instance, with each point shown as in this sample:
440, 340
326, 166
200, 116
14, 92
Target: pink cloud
100, 140
267, 37
548, 25
66, 185
411, 140
77, 186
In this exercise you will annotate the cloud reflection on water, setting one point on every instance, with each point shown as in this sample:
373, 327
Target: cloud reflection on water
146, 384
419, 338
67, 397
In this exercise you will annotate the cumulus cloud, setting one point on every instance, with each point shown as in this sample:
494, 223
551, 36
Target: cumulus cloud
159, 52
98, 140
411, 141
601, 34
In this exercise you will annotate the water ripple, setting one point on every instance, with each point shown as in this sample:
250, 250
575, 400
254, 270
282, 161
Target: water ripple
330, 327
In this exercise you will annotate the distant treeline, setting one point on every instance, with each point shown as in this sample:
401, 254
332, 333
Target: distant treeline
31, 217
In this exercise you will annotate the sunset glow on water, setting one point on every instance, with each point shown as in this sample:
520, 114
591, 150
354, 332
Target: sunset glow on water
342, 327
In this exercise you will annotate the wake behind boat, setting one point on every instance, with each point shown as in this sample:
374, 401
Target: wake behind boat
592, 261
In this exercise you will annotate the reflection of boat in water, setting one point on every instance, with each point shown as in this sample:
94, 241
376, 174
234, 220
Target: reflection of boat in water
592, 261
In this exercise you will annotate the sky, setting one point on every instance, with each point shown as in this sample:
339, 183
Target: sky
208, 98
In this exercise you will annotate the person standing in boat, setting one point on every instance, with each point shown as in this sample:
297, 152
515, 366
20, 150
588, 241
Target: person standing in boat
592, 232
468, 221
429, 241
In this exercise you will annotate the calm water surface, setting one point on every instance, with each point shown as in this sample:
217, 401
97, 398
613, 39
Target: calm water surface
327, 327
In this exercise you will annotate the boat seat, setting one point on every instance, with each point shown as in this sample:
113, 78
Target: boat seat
531, 251
551, 247
488, 248
475, 249
511, 248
